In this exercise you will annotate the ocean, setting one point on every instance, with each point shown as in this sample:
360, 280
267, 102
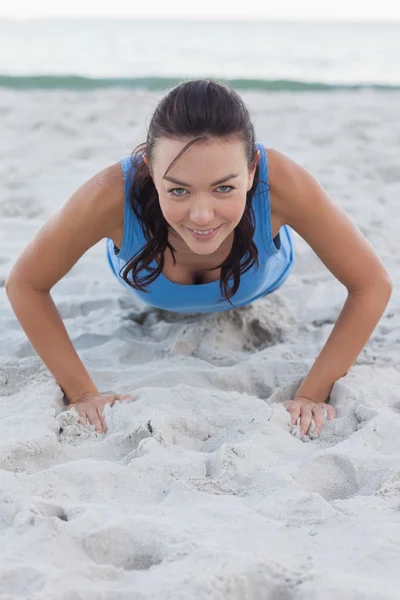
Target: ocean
155, 54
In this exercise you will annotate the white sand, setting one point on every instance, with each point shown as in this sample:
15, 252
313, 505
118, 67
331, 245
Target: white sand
201, 489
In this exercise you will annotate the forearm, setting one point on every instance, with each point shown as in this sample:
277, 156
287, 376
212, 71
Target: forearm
42, 323
355, 324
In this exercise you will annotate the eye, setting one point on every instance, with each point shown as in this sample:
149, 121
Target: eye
226, 186
172, 192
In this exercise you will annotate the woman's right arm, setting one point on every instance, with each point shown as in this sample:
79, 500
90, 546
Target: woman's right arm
93, 212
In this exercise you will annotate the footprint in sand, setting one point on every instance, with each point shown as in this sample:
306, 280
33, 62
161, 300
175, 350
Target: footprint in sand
132, 546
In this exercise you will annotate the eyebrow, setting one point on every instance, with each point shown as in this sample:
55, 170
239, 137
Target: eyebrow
173, 180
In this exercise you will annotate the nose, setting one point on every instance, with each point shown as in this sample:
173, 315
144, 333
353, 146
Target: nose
201, 211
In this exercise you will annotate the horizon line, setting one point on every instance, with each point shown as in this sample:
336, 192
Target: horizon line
193, 18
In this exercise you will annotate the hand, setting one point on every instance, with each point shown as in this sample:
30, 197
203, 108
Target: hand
307, 409
90, 406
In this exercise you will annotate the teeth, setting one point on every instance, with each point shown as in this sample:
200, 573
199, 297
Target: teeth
203, 232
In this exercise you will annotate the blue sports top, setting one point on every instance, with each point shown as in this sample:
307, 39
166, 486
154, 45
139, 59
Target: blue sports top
276, 257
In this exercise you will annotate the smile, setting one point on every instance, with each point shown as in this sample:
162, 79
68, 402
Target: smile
205, 234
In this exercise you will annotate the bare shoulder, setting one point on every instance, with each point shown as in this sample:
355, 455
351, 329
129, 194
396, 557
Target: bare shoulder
111, 176
280, 169
94, 211
285, 177
301, 202
110, 190
101, 200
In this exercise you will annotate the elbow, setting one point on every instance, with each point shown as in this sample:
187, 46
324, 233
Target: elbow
382, 285
12, 286
8, 286
10, 282
386, 281
16, 287
387, 285
385, 288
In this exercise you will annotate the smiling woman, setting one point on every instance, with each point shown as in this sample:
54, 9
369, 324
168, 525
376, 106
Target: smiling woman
207, 245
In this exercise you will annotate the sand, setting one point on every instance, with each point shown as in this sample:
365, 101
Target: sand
201, 488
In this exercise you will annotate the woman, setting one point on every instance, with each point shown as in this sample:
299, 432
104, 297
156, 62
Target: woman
199, 219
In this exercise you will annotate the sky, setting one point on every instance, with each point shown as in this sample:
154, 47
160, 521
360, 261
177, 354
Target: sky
304, 10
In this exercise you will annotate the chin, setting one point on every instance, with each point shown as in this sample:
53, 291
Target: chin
209, 250
213, 242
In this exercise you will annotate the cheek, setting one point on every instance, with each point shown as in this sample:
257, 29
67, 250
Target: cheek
171, 210
233, 210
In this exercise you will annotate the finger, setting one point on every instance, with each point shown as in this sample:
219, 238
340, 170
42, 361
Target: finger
124, 397
102, 420
115, 398
306, 418
83, 417
319, 417
294, 413
331, 411
95, 419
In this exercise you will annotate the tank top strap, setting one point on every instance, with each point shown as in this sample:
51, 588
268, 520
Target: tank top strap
262, 207
131, 232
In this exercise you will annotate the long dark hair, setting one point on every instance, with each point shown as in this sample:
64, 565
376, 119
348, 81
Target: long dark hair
201, 109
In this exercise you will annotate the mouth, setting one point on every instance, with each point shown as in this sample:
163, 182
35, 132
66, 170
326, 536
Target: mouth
203, 234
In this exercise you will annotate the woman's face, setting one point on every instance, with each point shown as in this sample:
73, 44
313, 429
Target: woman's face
205, 191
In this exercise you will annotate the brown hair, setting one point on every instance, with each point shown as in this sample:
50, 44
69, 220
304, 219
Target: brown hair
201, 109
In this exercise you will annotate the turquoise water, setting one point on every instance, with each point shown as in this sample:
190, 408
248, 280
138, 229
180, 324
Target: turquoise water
86, 54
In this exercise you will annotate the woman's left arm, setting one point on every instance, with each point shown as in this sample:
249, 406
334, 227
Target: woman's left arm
306, 207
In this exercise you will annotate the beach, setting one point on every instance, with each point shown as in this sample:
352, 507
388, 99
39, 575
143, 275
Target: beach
201, 488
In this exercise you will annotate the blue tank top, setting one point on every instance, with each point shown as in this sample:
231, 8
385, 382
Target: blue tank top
276, 257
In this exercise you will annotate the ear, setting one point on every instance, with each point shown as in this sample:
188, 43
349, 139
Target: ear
146, 161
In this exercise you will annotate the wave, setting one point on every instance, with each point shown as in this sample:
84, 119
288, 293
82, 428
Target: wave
81, 83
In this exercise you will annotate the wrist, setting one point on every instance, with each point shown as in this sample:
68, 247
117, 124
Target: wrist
77, 396
300, 396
